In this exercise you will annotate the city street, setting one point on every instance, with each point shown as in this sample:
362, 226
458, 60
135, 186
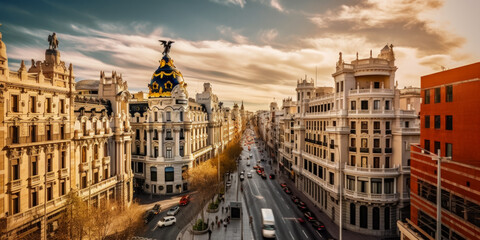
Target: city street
267, 193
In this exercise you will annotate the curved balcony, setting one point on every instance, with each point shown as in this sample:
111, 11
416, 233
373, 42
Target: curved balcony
386, 197
369, 171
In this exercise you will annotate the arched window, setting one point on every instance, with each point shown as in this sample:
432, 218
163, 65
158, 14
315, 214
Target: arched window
169, 174
352, 213
153, 174
376, 218
84, 154
387, 218
363, 217
155, 134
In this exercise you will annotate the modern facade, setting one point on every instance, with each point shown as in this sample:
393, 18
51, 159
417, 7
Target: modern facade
53, 142
350, 145
450, 128
173, 132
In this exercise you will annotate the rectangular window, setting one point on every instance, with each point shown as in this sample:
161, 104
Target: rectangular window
376, 143
364, 127
16, 203
364, 105
376, 162
181, 116
353, 105
437, 95
387, 125
448, 149
427, 96
352, 142
33, 104
169, 152
49, 163
63, 160
34, 165
48, 105
33, 133
63, 188
49, 193
156, 116
449, 93
449, 122
34, 198
387, 142
427, 121
389, 185
332, 178
387, 104
353, 161
376, 104
168, 116
376, 185
15, 103
437, 122
426, 144
15, 169
364, 162
62, 106
15, 134
48, 132
364, 143
387, 162
376, 85
436, 147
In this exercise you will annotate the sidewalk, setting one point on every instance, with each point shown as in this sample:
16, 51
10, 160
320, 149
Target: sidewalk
233, 231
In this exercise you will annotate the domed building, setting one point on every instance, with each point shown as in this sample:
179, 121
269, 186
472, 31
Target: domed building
173, 132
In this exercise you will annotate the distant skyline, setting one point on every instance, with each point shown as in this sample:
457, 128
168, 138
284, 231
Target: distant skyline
248, 50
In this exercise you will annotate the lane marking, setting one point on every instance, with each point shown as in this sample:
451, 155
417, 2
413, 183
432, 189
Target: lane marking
291, 234
304, 234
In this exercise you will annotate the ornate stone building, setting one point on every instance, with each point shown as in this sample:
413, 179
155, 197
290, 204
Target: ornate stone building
174, 132
48, 144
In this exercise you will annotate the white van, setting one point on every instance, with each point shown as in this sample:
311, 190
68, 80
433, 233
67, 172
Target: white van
268, 223
248, 163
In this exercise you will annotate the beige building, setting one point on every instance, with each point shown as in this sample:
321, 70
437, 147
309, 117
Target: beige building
42, 137
350, 149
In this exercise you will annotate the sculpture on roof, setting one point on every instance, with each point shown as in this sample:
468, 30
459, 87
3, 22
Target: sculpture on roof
52, 41
166, 45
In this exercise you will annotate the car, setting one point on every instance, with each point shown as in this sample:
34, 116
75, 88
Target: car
156, 208
300, 220
309, 216
272, 176
319, 226
184, 200
283, 185
264, 176
249, 175
256, 166
259, 172
242, 172
149, 215
287, 190
167, 221
303, 208
301, 203
248, 163
173, 211
242, 177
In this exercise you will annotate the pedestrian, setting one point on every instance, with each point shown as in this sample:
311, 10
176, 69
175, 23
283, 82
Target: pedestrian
222, 209
209, 234
251, 220
216, 218
225, 225
213, 224
218, 224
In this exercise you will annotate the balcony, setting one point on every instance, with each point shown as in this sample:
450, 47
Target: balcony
352, 149
388, 150
364, 131
377, 150
332, 146
34, 180
388, 131
318, 142
96, 163
106, 160
364, 150
83, 167
386, 197
353, 131
376, 131
355, 170
15, 185
168, 138
325, 144
63, 173
50, 176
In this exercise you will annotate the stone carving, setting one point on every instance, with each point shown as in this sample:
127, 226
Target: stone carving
52, 41
166, 45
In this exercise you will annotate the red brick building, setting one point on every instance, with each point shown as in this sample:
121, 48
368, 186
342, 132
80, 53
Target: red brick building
450, 116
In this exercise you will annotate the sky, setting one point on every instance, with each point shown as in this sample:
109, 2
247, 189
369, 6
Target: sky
250, 50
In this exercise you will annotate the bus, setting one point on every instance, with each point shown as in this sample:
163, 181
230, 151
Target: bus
268, 223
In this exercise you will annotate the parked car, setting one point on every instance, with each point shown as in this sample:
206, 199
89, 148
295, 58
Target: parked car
156, 209
249, 175
167, 221
300, 220
283, 185
272, 176
149, 215
184, 200
287, 190
303, 208
173, 211
319, 226
301, 203
242, 177
264, 176
309, 216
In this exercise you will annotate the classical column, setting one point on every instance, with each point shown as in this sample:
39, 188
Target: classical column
149, 144
160, 142
176, 133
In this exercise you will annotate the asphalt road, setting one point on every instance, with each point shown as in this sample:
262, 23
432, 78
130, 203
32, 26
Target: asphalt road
267, 193
184, 216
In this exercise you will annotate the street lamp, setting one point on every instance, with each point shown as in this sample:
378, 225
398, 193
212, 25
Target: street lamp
439, 159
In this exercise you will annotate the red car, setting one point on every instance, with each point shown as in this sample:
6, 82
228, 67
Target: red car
283, 185
184, 200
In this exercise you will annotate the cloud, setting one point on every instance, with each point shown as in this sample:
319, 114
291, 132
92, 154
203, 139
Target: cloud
240, 3
269, 35
232, 34
276, 5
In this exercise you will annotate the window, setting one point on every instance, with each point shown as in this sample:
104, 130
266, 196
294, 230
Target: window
427, 121
387, 162
137, 134
426, 144
48, 132
48, 105
407, 124
182, 151
387, 142
376, 218
352, 160
387, 218
437, 95
14, 134
153, 174
449, 93
427, 96
437, 147
362, 186
337, 88
105, 150
49, 162
364, 162
353, 105
376, 127
156, 116
63, 159
331, 178
32, 103
350, 183
84, 154
169, 174
15, 104
169, 135
15, 169
437, 122
376, 84
169, 118
169, 152
388, 185
364, 143
63, 188
352, 213
352, 142
33, 133
34, 165
448, 149
376, 143
376, 104
139, 167
62, 106
363, 217
449, 122
387, 104
34, 197
49, 193
387, 125
376, 162
364, 127
376, 185
364, 104
62, 131
15, 203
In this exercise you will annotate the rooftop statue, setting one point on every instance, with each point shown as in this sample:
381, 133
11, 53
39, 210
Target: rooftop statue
167, 45
53, 41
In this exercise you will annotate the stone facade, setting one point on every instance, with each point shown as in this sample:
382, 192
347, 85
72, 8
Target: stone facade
349, 145
43, 129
